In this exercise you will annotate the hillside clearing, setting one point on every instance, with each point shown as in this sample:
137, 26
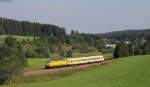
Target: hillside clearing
19, 38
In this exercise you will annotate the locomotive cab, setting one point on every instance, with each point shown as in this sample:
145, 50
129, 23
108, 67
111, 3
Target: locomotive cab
55, 63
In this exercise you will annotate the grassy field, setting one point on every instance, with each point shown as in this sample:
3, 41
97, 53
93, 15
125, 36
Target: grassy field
35, 63
19, 38
129, 72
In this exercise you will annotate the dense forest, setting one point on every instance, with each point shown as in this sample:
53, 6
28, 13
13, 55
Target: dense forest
128, 35
24, 28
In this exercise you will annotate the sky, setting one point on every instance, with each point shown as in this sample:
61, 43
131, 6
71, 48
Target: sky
88, 16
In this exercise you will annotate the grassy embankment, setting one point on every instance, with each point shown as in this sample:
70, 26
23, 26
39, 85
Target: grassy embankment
129, 72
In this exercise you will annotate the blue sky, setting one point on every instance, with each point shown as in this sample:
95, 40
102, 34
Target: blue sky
90, 16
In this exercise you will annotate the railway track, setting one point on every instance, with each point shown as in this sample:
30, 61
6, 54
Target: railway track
45, 71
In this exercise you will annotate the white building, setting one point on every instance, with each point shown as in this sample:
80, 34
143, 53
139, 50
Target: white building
110, 45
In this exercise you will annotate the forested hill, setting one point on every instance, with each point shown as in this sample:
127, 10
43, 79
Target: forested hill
127, 35
14, 27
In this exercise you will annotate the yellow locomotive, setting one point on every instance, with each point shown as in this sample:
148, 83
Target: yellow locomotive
73, 61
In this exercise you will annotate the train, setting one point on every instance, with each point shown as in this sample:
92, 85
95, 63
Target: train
51, 63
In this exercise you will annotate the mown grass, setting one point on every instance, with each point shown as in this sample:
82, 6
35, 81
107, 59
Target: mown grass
108, 56
19, 38
129, 72
35, 63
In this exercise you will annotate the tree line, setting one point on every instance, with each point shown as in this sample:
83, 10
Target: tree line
124, 49
127, 35
25, 28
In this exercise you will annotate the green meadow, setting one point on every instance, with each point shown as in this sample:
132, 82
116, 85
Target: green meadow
19, 38
35, 63
127, 72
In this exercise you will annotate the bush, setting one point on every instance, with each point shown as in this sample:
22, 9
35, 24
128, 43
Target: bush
69, 53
